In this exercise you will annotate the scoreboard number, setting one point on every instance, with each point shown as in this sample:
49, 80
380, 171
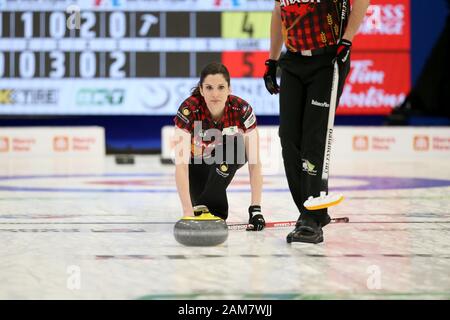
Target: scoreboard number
88, 64
57, 24
27, 18
57, 64
118, 63
88, 22
27, 64
117, 25
245, 25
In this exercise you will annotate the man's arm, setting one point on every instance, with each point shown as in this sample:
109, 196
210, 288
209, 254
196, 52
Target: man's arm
276, 35
357, 15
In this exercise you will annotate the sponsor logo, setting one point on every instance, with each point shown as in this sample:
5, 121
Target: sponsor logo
61, 144
22, 144
308, 167
373, 143
4, 144
360, 143
100, 97
373, 81
421, 143
230, 130
363, 73
383, 143
250, 120
82, 144
388, 19
320, 104
441, 143
5, 97
28, 97
156, 97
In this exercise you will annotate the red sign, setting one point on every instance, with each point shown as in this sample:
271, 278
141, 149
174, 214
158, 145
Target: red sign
377, 83
385, 27
245, 64
380, 77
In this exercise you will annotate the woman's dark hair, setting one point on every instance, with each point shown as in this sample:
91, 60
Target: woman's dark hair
211, 69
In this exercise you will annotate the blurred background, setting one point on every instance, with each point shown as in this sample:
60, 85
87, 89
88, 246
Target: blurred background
126, 65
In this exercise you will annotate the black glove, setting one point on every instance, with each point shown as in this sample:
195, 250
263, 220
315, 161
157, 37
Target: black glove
256, 219
270, 77
343, 51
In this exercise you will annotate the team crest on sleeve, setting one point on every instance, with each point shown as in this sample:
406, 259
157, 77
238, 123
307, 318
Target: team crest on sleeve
183, 114
186, 112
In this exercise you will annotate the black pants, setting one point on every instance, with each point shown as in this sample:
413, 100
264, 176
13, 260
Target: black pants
305, 92
208, 182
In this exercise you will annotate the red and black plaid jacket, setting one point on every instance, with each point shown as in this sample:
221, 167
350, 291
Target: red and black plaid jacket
311, 25
194, 117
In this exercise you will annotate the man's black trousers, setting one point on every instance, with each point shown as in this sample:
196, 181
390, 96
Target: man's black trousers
305, 94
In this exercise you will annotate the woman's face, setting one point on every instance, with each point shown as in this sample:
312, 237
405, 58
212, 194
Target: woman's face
215, 91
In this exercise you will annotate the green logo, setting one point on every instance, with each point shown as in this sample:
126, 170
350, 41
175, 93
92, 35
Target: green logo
100, 97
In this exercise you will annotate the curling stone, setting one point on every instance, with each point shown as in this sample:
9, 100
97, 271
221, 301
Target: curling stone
205, 230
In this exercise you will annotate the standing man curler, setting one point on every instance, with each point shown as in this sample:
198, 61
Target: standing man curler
318, 36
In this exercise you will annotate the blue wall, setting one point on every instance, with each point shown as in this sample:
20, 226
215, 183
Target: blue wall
427, 21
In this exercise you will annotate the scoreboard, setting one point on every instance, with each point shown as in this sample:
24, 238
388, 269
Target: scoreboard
142, 57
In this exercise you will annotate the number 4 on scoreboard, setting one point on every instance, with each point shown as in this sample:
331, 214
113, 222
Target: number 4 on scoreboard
247, 26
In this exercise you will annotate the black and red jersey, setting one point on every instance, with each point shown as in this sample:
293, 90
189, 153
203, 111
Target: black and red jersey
313, 24
194, 117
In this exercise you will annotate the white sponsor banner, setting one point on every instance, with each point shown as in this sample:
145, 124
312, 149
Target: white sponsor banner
140, 5
396, 142
350, 143
118, 97
52, 141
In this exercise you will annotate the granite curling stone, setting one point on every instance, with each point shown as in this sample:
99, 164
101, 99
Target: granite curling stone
205, 230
